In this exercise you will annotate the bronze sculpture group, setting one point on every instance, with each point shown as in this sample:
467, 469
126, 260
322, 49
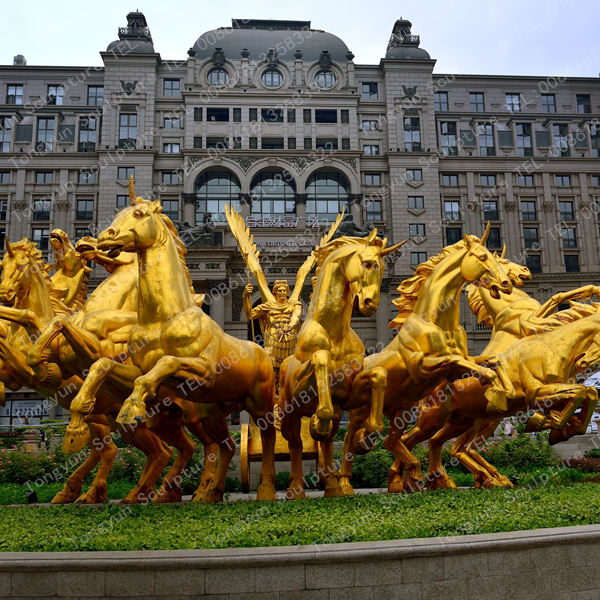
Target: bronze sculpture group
140, 356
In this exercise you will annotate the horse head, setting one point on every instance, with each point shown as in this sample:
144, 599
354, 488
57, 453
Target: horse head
517, 273
480, 265
364, 272
20, 265
591, 356
135, 228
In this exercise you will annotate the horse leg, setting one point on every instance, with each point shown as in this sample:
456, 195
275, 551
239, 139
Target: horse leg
577, 424
266, 488
437, 478
574, 394
77, 431
213, 419
211, 449
291, 428
480, 438
356, 420
333, 489
321, 422
100, 432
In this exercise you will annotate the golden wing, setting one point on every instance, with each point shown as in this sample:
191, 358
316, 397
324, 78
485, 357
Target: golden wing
309, 263
248, 250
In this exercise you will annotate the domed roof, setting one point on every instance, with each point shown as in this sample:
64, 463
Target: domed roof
135, 46
259, 36
408, 53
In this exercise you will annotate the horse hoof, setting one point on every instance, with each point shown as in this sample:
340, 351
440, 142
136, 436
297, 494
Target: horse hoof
266, 491
68, 494
437, 481
95, 495
167, 494
491, 482
320, 430
347, 487
334, 491
396, 486
133, 411
295, 492
209, 496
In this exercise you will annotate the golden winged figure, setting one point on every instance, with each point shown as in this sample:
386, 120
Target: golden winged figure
279, 313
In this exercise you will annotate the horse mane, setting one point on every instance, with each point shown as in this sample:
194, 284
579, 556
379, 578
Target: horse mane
578, 310
322, 253
181, 250
478, 307
82, 292
411, 288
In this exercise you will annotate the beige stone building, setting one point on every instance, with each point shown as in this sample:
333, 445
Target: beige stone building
276, 118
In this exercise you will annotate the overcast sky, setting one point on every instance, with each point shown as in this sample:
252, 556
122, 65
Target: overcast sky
499, 37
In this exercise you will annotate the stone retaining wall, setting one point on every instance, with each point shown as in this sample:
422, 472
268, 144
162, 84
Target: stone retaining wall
547, 564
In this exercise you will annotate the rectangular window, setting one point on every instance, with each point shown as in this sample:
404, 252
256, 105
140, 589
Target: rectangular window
220, 143
371, 150
490, 210
548, 103
526, 180
237, 115
307, 116
125, 172
197, 142
531, 237
416, 229
43, 177
448, 138
171, 87
41, 237
494, 239
561, 140
595, 137
512, 103
4, 176
95, 95
569, 237
374, 211
41, 209
85, 177
81, 232
563, 180
534, 263
197, 113
412, 134
271, 115
292, 143
524, 147
449, 179
476, 101
127, 131
220, 115
170, 178
5, 131
272, 143
122, 201
88, 130
488, 180
328, 144
325, 116
595, 180
345, 115
572, 263
440, 101
171, 148
369, 91
416, 202
528, 210
45, 134
369, 125
453, 235
291, 115
14, 94
372, 178
486, 139
566, 210
56, 95
416, 258
414, 174
452, 210
171, 123
171, 209
584, 105
85, 210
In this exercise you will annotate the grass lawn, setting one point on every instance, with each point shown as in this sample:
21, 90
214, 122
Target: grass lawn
311, 521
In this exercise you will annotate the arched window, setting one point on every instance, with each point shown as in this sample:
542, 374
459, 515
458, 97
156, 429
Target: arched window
272, 194
327, 194
218, 77
272, 78
325, 80
213, 188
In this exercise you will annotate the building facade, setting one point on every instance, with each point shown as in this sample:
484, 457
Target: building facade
275, 118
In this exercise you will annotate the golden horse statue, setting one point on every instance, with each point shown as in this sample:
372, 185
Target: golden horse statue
180, 347
430, 347
326, 374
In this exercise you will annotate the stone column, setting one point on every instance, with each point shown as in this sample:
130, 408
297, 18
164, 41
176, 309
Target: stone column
355, 204
300, 200
189, 208
18, 204
217, 307
246, 204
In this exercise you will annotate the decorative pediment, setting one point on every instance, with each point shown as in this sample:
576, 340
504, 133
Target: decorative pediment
325, 60
218, 57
